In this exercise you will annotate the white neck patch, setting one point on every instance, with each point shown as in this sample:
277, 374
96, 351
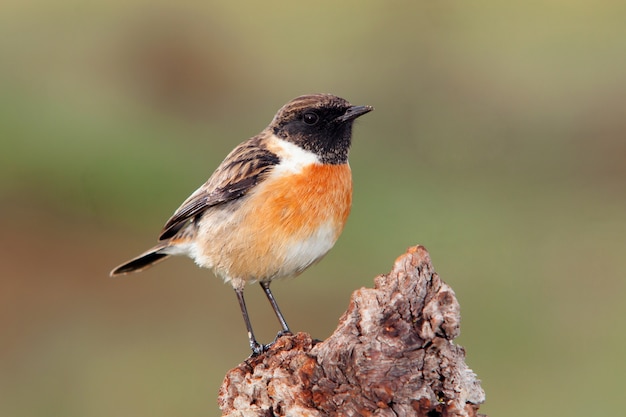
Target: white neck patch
292, 157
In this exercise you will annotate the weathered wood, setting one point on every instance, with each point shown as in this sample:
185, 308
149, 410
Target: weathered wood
391, 355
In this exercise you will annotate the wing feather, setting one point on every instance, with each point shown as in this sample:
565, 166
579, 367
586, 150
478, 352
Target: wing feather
242, 169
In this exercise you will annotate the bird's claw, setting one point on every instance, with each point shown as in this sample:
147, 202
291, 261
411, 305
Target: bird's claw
258, 348
281, 334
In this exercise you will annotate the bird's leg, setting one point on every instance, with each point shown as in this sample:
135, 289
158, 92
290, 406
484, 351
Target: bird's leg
279, 315
256, 347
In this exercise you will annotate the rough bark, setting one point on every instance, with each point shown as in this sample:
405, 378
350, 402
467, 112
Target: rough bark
391, 355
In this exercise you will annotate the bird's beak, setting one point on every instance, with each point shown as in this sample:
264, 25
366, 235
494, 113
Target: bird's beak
354, 112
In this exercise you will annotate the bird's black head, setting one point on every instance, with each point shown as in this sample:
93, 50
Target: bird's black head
320, 123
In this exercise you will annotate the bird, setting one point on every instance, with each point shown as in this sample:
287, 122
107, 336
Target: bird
275, 205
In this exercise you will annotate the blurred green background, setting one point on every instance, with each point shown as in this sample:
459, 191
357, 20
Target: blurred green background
498, 142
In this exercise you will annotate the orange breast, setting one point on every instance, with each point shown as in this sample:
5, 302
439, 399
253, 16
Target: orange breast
308, 209
302, 202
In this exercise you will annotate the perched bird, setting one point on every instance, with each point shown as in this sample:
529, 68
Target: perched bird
273, 207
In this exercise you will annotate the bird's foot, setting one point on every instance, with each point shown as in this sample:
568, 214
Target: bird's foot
281, 334
258, 348
278, 336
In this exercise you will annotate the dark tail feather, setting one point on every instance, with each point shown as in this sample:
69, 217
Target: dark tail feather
141, 262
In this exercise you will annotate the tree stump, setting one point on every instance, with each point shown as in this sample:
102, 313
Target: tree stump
391, 355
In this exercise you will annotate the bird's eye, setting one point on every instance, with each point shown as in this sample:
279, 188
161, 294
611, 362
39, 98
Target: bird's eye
310, 118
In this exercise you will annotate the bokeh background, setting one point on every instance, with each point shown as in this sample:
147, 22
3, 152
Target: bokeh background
498, 142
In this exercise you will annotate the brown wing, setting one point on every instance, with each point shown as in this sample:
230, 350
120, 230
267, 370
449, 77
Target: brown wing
242, 169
